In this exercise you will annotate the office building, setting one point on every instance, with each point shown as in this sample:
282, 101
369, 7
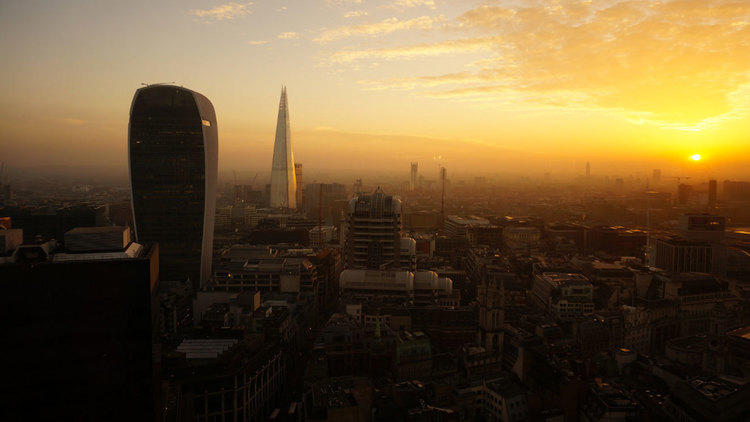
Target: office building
283, 180
373, 231
173, 150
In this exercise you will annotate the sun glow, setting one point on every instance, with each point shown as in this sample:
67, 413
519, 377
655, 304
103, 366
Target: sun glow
695, 157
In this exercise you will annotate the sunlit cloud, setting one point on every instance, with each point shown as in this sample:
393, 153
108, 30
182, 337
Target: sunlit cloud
676, 61
288, 36
427, 81
465, 45
225, 11
356, 13
258, 42
383, 27
405, 4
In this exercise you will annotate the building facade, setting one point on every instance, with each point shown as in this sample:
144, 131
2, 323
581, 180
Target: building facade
373, 231
173, 154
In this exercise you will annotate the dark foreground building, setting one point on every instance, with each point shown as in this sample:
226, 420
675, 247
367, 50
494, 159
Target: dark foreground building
173, 150
78, 334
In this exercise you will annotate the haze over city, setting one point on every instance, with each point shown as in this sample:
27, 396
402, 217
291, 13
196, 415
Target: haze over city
375, 210
523, 87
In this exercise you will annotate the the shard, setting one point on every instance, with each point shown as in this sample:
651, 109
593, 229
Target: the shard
283, 180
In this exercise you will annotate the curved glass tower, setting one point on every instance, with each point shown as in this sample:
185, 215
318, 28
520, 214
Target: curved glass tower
283, 179
173, 157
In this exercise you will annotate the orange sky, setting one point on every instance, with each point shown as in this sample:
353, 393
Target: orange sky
498, 86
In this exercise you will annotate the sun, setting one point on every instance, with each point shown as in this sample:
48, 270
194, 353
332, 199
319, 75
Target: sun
695, 157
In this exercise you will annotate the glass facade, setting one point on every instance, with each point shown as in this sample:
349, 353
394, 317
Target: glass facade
173, 150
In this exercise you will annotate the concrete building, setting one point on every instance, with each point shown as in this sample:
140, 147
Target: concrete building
519, 238
173, 151
373, 231
566, 296
400, 285
456, 226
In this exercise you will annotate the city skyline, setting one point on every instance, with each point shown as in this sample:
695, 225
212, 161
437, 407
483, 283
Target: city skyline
423, 78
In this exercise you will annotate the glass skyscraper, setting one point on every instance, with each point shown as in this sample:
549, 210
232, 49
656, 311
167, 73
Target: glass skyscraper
173, 155
283, 178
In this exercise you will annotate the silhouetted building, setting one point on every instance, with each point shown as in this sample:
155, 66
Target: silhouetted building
298, 180
78, 334
414, 176
684, 192
173, 146
712, 194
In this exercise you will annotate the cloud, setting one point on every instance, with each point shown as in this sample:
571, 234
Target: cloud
356, 13
288, 36
674, 60
427, 81
404, 4
259, 42
383, 27
465, 45
225, 11
677, 63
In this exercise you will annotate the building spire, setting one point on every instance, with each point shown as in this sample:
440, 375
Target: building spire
283, 179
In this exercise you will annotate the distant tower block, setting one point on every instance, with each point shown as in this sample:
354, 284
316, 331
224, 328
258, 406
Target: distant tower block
413, 180
298, 177
588, 169
283, 181
712, 194
656, 177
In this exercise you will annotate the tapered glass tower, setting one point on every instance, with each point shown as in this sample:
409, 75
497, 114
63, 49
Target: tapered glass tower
173, 154
283, 180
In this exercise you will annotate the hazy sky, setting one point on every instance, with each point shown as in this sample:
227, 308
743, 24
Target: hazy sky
514, 85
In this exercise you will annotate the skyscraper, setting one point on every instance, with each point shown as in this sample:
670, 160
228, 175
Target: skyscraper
414, 175
588, 169
173, 154
283, 180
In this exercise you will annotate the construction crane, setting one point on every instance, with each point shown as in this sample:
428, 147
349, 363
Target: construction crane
253, 181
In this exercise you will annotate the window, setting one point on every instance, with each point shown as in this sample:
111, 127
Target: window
206, 123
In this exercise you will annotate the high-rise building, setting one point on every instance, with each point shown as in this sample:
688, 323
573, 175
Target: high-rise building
373, 231
283, 180
712, 194
588, 169
298, 178
173, 150
413, 179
